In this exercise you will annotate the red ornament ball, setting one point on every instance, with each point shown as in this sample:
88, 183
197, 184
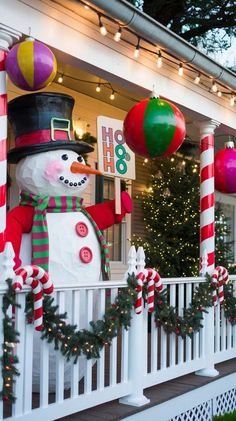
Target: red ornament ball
225, 169
154, 128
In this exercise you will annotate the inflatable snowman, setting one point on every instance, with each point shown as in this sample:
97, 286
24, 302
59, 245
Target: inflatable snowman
50, 227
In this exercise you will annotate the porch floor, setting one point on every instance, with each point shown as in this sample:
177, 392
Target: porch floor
113, 411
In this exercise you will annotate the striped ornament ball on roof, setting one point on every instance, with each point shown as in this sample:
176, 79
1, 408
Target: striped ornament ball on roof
31, 65
154, 128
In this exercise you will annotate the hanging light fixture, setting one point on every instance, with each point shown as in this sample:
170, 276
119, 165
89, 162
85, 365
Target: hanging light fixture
197, 79
60, 79
181, 70
117, 35
219, 93
112, 96
159, 60
231, 101
98, 87
136, 51
103, 30
214, 86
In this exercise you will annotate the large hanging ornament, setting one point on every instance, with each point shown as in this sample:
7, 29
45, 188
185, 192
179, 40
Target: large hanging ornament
31, 65
225, 169
154, 128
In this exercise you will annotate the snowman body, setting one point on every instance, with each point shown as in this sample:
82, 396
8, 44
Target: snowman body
74, 250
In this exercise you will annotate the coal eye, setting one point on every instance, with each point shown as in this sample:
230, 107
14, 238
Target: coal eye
80, 159
64, 157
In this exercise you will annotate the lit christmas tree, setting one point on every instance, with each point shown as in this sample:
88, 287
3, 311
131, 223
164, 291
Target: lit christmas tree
171, 217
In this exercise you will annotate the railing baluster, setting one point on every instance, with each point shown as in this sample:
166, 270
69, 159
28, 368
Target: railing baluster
163, 345
29, 335
44, 373
196, 335
113, 350
172, 350
88, 370
180, 312
153, 344
101, 360
75, 321
59, 358
18, 406
217, 329
223, 330
188, 339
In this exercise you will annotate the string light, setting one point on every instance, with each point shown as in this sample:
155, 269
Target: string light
98, 88
103, 30
159, 60
231, 101
136, 51
181, 70
197, 79
214, 86
60, 79
219, 93
171, 59
117, 35
112, 96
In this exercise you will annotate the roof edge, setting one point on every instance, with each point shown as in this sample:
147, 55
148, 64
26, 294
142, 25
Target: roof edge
155, 32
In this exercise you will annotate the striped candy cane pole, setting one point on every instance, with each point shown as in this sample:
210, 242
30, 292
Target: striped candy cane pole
220, 277
207, 195
3, 137
7, 37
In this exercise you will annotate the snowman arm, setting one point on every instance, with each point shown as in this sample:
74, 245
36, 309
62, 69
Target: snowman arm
104, 213
19, 221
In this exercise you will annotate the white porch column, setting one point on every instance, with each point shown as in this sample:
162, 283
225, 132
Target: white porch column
7, 37
207, 234
207, 194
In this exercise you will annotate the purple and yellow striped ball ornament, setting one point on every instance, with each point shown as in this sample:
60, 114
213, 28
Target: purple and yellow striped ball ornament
154, 128
225, 169
31, 65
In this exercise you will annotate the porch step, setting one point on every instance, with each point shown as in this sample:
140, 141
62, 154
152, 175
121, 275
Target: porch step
114, 411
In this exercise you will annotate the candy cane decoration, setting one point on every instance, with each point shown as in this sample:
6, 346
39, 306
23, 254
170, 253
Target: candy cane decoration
220, 277
3, 136
38, 279
153, 283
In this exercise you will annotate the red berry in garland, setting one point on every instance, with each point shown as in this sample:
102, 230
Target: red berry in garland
154, 128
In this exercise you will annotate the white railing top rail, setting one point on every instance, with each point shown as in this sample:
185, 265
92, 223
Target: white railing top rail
108, 284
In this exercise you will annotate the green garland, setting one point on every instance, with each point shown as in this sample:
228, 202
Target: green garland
8, 359
72, 342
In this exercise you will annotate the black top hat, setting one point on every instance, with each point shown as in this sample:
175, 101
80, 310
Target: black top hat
42, 122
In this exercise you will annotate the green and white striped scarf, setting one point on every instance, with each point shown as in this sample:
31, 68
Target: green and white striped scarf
56, 204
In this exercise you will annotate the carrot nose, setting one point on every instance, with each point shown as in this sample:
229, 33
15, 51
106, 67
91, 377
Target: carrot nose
76, 167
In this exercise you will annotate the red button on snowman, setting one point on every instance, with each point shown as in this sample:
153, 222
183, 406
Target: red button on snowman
64, 237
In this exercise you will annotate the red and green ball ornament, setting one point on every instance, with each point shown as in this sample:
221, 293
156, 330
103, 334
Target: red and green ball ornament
154, 128
225, 169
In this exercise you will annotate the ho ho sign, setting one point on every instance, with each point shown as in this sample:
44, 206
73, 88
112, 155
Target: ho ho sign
114, 156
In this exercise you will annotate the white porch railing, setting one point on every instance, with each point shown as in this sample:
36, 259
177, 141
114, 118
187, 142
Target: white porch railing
138, 358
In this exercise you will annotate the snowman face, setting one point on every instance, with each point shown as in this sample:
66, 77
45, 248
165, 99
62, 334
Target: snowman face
52, 174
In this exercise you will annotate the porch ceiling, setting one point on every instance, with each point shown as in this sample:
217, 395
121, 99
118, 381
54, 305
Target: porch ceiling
84, 82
